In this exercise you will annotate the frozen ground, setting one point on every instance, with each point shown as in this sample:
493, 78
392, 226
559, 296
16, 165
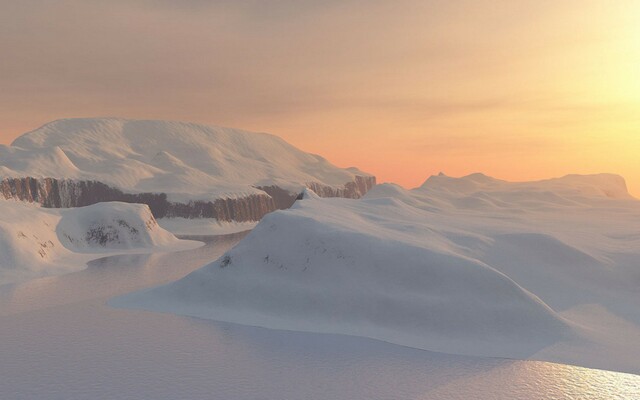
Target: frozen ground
544, 270
58, 340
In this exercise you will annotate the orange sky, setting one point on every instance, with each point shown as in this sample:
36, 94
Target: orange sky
404, 89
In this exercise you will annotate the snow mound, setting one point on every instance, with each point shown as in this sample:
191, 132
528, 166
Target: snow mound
112, 225
184, 160
470, 265
349, 267
36, 241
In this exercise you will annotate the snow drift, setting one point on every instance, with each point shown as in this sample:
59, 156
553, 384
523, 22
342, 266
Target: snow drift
469, 265
35, 241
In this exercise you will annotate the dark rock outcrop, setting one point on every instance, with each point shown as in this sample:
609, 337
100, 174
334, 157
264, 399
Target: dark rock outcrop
54, 193
282, 199
65, 193
351, 190
248, 208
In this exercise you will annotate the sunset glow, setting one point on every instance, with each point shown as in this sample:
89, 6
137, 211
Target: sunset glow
519, 90
341, 199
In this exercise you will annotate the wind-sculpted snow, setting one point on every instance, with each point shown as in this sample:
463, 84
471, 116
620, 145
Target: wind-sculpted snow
178, 169
36, 241
296, 271
569, 240
467, 265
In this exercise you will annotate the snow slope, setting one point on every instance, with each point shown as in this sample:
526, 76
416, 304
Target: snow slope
111, 226
37, 241
469, 265
187, 161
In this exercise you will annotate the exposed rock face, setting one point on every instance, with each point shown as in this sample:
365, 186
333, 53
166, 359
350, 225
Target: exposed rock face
66, 193
249, 208
351, 190
178, 169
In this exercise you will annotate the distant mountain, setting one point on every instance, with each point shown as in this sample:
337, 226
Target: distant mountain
569, 186
177, 168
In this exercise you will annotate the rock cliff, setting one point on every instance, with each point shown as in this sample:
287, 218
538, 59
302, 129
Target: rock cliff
178, 169
352, 190
67, 193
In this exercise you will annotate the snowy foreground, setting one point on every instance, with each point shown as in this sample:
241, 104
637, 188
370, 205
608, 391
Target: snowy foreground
37, 241
60, 340
542, 270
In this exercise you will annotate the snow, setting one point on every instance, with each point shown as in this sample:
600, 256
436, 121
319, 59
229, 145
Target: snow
37, 241
204, 226
112, 225
41, 162
74, 346
476, 266
185, 160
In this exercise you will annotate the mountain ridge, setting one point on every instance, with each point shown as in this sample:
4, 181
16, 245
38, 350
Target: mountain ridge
196, 167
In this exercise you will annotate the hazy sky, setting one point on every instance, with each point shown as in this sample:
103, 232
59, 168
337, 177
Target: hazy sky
403, 89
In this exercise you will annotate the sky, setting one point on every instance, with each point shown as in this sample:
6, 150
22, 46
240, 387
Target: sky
520, 90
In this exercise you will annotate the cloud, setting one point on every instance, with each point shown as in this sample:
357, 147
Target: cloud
409, 76
488, 143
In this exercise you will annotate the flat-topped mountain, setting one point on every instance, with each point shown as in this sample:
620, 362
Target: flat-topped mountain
177, 168
571, 186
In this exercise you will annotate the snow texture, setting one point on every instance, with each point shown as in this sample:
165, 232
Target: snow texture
37, 241
184, 160
470, 265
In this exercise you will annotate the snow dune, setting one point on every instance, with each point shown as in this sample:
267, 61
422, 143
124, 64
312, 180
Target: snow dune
470, 265
37, 241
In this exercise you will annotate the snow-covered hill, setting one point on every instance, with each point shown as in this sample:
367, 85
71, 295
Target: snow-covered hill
179, 163
36, 241
115, 226
468, 265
